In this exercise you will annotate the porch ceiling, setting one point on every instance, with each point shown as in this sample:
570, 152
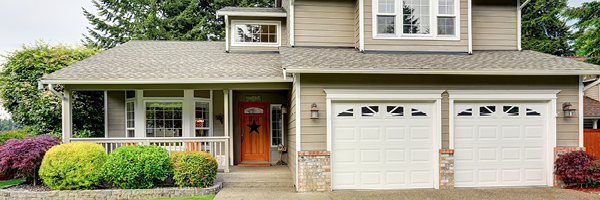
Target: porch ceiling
170, 62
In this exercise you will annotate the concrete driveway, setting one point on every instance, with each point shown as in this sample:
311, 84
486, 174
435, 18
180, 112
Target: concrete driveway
491, 193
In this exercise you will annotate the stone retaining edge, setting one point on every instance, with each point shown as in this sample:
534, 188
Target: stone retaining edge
111, 194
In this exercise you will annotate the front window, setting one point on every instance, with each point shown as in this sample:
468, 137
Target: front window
256, 33
202, 118
130, 118
415, 19
164, 119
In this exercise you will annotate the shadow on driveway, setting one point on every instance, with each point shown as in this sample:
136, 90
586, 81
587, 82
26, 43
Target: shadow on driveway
491, 193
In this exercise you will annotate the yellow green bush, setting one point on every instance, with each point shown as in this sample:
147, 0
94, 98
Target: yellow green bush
196, 169
72, 166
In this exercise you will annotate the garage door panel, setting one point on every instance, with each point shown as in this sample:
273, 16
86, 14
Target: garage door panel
500, 144
383, 147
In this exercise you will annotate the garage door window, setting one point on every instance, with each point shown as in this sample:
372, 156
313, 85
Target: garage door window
370, 111
419, 111
487, 111
395, 111
466, 113
531, 112
346, 113
511, 110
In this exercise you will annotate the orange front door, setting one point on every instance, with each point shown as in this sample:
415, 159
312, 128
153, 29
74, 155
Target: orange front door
254, 131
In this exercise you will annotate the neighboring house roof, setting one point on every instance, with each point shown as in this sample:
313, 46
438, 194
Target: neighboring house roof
252, 11
348, 60
591, 107
578, 58
171, 62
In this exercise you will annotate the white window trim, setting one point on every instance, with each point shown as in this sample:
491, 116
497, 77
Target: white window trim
549, 96
398, 35
163, 99
127, 129
260, 22
434, 96
210, 116
271, 127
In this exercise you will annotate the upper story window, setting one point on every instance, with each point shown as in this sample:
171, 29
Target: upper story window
416, 19
256, 33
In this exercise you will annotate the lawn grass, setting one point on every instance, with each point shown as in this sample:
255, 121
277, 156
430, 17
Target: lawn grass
11, 182
205, 197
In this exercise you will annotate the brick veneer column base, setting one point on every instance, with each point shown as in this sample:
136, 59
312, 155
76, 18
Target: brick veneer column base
560, 151
446, 168
314, 171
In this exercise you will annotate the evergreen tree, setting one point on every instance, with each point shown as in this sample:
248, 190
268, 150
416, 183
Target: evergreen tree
119, 21
588, 36
543, 29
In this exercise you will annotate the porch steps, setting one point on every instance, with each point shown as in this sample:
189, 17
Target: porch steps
257, 177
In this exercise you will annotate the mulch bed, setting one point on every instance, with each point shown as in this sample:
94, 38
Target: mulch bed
30, 188
596, 189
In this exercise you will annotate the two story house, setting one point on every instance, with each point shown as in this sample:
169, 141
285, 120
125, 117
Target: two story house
362, 94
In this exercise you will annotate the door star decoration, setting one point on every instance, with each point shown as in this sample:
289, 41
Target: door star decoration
254, 127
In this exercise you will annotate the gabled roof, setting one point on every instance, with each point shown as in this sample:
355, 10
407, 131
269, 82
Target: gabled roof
170, 62
591, 107
252, 11
348, 60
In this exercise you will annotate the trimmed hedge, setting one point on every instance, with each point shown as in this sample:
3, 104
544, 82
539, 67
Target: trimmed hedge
75, 165
196, 169
136, 167
15, 134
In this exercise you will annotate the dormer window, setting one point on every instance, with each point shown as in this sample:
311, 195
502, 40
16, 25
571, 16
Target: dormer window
255, 33
416, 19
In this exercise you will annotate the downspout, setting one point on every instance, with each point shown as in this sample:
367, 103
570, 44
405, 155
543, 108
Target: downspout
284, 74
227, 33
56, 92
470, 27
519, 9
361, 24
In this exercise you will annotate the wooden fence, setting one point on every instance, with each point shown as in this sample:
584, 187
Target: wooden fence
591, 141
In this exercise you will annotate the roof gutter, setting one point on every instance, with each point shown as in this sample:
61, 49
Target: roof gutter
113, 82
591, 85
449, 72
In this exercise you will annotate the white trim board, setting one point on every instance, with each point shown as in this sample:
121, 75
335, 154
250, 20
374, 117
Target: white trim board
251, 14
452, 72
387, 95
150, 81
548, 96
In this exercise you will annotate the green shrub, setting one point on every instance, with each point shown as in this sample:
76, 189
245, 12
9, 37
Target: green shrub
136, 167
197, 169
15, 134
75, 165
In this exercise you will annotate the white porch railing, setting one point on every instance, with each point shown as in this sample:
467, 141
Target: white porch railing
218, 147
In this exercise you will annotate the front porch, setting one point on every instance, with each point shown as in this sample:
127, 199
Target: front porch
193, 118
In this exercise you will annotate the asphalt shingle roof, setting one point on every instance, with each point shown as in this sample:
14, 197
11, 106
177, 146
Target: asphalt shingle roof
252, 9
591, 107
350, 59
172, 60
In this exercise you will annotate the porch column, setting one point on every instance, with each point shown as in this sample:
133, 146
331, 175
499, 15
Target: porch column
140, 115
228, 144
189, 114
67, 119
595, 124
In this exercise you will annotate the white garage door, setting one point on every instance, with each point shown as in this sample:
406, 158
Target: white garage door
500, 144
382, 145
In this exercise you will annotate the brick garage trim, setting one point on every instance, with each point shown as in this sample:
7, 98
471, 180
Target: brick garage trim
446, 169
110, 194
314, 171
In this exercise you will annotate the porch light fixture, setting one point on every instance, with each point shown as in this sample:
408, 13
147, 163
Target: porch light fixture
314, 111
284, 108
569, 109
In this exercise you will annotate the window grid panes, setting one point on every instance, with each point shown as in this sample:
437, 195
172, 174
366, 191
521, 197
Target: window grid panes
385, 24
130, 118
201, 119
256, 33
415, 18
445, 25
387, 6
276, 125
164, 119
446, 7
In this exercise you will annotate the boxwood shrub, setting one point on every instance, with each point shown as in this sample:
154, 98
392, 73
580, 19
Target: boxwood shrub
71, 166
197, 169
137, 167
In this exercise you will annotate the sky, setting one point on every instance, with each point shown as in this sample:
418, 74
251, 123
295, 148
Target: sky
25, 21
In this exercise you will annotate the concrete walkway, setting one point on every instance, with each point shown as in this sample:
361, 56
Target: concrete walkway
492, 193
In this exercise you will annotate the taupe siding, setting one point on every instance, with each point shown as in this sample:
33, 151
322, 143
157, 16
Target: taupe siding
314, 131
494, 25
218, 108
284, 34
324, 23
593, 92
461, 45
291, 133
116, 114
